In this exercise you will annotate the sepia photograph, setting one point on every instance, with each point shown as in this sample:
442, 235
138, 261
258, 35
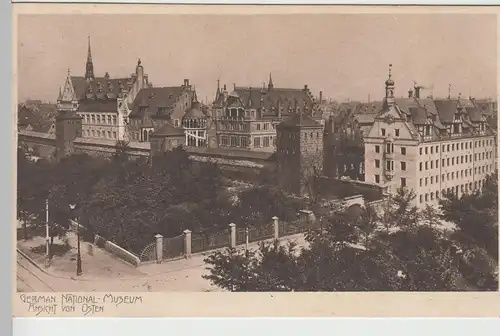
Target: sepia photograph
286, 152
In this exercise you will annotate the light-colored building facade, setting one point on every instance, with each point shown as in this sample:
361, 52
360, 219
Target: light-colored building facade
247, 117
431, 146
102, 102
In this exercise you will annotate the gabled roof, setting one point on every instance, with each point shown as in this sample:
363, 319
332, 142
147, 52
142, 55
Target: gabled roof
149, 100
299, 120
101, 85
287, 100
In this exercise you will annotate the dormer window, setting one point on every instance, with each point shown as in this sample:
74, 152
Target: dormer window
427, 130
457, 117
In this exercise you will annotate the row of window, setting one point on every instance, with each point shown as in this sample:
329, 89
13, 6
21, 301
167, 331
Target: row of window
456, 175
234, 141
456, 146
100, 134
99, 119
265, 125
455, 160
389, 149
464, 188
389, 165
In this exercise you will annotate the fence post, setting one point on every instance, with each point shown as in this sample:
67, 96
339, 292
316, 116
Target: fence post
276, 227
232, 243
159, 248
187, 244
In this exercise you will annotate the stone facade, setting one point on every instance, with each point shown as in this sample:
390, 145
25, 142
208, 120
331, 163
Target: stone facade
430, 146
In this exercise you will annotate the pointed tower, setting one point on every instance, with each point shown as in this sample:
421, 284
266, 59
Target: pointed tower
217, 93
389, 89
89, 67
270, 85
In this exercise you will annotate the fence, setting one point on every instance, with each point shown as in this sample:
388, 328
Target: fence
165, 249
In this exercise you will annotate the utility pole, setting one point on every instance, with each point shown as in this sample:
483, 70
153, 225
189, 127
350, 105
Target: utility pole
47, 234
246, 239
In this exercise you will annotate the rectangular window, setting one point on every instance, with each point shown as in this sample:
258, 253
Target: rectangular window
377, 163
437, 163
426, 180
421, 198
396, 132
448, 148
243, 141
420, 151
443, 148
403, 182
256, 142
403, 165
420, 166
377, 178
377, 149
432, 150
432, 179
383, 131
426, 151
258, 127
426, 165
388, 165
223, 140
442, 163
403, 150
432, 164
437, 149
266, 141
442, 177
266, 126
421, 182
233, 141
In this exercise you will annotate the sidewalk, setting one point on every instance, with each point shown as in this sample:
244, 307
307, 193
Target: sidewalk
180, 275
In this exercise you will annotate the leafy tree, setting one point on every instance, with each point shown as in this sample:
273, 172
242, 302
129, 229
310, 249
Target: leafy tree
360, 253
476, 216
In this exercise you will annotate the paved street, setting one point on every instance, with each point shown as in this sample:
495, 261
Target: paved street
181, 275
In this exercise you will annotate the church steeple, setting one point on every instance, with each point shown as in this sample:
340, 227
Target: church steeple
89, 68
270, 85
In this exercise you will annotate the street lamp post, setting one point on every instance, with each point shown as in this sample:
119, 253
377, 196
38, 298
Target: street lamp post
78, 254
246, 239
47, 234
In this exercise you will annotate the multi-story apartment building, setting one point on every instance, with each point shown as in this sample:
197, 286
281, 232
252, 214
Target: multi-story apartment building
431, 146
247, 117
102, 102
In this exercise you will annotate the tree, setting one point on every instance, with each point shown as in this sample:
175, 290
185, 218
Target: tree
476, 216
357, 254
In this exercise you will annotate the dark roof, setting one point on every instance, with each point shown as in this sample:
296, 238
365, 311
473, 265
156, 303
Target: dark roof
102, 105
106, 86
168, 130
149, 100
418, 115
43, 127
299, 119
475, 114
195, 111
288, 100
446, 109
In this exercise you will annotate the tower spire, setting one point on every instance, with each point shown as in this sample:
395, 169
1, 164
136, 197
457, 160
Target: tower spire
270, 84
89, 68
449, 91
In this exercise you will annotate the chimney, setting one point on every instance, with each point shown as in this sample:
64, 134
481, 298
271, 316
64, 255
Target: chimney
410, 93
321, 97
186, 82
305, 87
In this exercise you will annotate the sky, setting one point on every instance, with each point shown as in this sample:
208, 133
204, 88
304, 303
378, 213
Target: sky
344, 55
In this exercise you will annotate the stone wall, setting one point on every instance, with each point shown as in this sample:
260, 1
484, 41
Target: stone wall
330, 187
